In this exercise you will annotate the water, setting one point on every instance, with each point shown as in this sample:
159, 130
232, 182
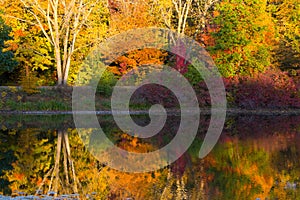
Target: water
256, 157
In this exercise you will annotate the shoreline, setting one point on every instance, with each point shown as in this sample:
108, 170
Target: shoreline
205, 111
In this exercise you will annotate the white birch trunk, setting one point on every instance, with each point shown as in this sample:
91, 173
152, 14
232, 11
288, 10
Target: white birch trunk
61, 22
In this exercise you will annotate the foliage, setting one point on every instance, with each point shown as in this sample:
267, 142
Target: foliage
52, 41
243, 37
126, 15
90, 36
31, 49
32, 160
287, 19
272, 89
157, 94
201, 14
193, 76
7, 62
29, 84
132, 60
162, 11
246, 169
106, 84
180, 63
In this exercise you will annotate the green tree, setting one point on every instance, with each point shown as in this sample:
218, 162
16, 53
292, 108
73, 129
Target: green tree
6, 159
7, 61
243, 37
240, 172
286, 14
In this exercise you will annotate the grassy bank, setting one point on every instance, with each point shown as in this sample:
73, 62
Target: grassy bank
14, 98
251, 97
49, 99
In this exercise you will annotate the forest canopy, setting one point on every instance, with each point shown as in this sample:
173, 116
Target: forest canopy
46, 41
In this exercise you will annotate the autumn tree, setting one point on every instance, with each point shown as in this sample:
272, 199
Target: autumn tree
201, 14
287, 20
185, 16
94, 31
32, 152
30, 47
182, 8
7, 62
162, 10
239, 172
35, 49
128, 15
243, 37
61, 23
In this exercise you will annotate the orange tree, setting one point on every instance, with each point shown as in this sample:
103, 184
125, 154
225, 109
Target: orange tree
126, 16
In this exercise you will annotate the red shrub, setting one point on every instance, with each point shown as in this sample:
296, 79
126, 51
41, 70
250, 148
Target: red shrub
272, 89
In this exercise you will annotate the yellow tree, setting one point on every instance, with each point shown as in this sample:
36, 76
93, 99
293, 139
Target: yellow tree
200, 14
286, 14
182, 9
61, 23
30, 48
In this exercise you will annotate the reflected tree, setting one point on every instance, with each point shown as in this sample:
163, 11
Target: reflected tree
286, 165
63, 147
239, 171
32, 151
6, 159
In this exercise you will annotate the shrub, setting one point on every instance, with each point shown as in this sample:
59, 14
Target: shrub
272, 89
106, 84
29, 84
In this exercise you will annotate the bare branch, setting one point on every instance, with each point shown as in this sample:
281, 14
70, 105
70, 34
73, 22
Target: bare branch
175, 3
186, 10
52, 4
49, 22
39, 22
39, 8
69, 11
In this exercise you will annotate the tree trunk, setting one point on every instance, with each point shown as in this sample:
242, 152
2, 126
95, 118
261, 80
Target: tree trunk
66, 71
57, 161
71, 163
58, 66
60, 22
66, 166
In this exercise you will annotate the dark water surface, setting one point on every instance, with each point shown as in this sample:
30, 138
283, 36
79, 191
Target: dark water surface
256, 157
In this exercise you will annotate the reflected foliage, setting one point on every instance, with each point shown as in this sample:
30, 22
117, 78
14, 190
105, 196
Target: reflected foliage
254, 158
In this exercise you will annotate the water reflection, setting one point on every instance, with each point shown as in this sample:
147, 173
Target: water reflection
256, 157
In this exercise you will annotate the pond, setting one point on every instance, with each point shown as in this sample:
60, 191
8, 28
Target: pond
256, 157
